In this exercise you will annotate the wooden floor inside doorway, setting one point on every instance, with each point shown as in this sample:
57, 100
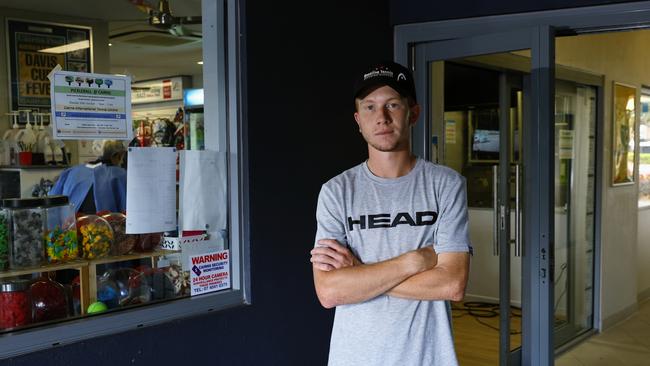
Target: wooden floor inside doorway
476, 332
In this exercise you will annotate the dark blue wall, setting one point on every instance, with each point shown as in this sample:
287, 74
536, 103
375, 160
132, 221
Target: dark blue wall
301, 63
415, 11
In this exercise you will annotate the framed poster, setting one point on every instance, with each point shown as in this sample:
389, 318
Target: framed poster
34, 49
623, 128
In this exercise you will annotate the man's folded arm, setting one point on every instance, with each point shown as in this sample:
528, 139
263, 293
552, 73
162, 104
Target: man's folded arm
446, 281
340, 278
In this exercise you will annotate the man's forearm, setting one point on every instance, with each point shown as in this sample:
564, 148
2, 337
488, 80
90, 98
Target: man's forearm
359, 283
446, 281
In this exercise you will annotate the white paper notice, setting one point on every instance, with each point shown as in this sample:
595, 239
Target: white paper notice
151, 190
202, 190
209, 272
90, 106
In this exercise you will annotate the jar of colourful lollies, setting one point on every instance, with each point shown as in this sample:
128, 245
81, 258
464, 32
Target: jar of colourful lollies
123, 243
95, 236
15, 304
4, 241
60, 230
26, 231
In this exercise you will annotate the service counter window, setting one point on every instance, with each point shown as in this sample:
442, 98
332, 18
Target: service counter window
122, 201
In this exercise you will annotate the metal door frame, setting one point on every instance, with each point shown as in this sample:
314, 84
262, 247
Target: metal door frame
537, 347
527, 38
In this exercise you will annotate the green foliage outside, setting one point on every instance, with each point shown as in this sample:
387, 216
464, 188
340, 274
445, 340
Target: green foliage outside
644, 158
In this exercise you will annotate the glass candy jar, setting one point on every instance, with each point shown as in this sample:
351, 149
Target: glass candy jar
26, 231
49, 300
4, 241
123, 287
95, 236
60, 230
15, 304
147, 242
123, 243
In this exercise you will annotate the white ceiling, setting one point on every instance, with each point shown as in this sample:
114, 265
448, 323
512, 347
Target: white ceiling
137, 48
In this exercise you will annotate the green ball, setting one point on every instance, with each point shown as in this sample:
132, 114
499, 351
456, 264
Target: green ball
97, 307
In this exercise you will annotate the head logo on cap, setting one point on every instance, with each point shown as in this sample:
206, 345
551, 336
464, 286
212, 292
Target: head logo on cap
386, 73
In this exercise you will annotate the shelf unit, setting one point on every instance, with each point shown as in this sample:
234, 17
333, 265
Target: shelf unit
87, 271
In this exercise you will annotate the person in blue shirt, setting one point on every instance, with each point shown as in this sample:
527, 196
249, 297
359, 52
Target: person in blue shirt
96, 186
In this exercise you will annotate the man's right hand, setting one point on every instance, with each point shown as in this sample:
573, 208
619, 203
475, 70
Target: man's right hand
330, 254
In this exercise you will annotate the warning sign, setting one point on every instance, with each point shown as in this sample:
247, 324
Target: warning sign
209, 272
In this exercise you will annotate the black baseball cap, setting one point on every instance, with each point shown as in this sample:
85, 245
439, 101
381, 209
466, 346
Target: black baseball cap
385, 73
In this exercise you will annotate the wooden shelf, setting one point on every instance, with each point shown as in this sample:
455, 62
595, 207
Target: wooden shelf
75, 264
89, 274
78, 263
128, 257
87, 271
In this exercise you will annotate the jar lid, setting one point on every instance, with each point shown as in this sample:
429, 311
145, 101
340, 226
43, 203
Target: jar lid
58, 200
23, 202
15, 285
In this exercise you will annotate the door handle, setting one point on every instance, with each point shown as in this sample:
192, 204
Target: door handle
495, 213
517, 211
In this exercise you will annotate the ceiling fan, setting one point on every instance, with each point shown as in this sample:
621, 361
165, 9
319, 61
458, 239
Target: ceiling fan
162, 18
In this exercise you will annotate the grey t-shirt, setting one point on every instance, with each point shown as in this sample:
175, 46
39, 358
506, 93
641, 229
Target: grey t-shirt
379, 219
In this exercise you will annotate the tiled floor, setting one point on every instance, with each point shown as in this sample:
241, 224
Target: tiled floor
625, 344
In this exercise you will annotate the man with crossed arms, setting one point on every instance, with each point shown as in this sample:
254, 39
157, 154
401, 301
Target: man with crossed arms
392, 245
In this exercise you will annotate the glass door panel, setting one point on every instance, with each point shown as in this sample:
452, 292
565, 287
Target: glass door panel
575, 126
478, 91
462, 82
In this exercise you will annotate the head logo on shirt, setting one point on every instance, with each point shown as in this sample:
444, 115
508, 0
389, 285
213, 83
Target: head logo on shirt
422, 218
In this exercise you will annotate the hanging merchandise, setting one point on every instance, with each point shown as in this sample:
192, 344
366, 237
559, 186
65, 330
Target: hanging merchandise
42, 152
58, 150
4, 153
48, 152
162, 132
181, 129
9, 140
196, 130
142, 133
27, 135
26, 139
14, 127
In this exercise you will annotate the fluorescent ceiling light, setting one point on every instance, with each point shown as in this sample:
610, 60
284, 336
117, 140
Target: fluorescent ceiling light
199, 62
67, 47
